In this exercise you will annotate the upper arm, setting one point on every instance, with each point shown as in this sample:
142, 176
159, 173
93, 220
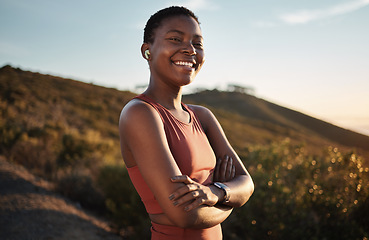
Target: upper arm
217, 137
241, 186
142, 134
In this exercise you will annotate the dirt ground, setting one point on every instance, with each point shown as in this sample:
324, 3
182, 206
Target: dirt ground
29, 209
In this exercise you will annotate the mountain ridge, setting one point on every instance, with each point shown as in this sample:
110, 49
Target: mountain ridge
260, 109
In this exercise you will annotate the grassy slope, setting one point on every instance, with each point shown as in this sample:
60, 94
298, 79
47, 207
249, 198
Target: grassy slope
39, 99
57, 123
71, 102
265, 121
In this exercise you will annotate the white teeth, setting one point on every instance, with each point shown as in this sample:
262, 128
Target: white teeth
189, 64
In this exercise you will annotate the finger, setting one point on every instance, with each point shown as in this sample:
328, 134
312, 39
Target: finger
223, 169
182, 178
183, 190
228, 173
233, 172
195, 204
187, 198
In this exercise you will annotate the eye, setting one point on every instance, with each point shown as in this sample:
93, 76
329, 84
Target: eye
198, 44
175, 39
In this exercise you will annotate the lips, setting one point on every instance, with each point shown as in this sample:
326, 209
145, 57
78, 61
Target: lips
188, 64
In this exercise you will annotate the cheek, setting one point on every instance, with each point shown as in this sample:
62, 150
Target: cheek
201, 55
160, 59
201, 58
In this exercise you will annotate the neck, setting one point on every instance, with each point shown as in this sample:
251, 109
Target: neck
169, 98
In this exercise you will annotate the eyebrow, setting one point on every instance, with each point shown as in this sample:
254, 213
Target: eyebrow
182, 33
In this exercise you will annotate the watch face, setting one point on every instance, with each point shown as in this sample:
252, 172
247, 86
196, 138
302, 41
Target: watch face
225, 188
221, 185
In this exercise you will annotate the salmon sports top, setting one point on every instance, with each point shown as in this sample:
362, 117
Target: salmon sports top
189, 146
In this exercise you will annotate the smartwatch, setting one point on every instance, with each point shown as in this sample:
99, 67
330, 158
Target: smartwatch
225, 189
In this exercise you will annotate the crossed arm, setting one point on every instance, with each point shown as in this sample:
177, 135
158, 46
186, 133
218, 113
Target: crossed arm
229, 169
186, 204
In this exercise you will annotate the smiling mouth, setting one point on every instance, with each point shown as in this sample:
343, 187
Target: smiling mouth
185, 64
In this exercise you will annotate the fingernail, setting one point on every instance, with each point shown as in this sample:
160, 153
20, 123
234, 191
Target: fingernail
175, 203
187, 208
171, 197
173, 178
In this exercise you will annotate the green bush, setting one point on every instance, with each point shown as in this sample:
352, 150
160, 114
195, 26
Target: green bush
9, 135
297, 196
300, 196
81, 188
74, 150
123, 202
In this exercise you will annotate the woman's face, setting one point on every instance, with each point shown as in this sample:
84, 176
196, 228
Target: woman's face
177, 54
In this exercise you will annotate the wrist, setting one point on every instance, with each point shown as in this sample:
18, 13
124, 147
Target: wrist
219, 193
224, 189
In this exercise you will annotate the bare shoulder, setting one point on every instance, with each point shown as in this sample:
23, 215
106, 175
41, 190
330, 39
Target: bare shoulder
205, 116
137, 120
137, 112
201, 111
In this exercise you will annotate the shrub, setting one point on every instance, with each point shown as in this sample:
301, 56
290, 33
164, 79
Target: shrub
74, 150
123, 202
300, 196
81, 188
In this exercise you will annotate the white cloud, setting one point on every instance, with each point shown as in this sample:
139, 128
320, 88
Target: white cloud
196, 5
305, 16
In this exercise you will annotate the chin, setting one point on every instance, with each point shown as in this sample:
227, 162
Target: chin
186, 82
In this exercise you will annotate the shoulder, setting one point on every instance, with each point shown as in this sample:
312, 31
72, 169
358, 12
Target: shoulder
137, 112
200, 111
204, 115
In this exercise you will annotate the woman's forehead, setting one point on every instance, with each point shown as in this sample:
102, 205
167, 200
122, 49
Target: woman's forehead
180, 24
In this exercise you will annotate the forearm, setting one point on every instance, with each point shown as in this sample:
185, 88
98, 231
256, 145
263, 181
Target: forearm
208, 216
198, 203
241, 189
202, 217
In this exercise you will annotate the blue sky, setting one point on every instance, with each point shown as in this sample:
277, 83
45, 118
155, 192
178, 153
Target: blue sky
308, 55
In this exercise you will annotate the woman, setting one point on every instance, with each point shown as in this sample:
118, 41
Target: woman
169, 148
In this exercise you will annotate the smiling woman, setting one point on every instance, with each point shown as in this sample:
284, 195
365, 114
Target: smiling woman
178, 158
176, 50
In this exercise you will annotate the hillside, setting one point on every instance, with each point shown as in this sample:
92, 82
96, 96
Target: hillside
72, 118
311, 177
279, 121
44, 100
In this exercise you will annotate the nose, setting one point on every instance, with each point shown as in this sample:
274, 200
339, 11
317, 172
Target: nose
189, 49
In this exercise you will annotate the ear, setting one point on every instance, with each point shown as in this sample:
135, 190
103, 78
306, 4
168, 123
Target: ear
144, 47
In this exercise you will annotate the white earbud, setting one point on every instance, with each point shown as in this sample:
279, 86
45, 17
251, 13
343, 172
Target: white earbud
147, 54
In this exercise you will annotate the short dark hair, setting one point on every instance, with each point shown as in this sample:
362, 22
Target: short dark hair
156, 19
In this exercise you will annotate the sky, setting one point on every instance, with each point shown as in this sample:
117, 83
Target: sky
308, 55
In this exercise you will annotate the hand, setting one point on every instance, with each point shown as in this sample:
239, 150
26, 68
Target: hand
224, 170
193, 194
